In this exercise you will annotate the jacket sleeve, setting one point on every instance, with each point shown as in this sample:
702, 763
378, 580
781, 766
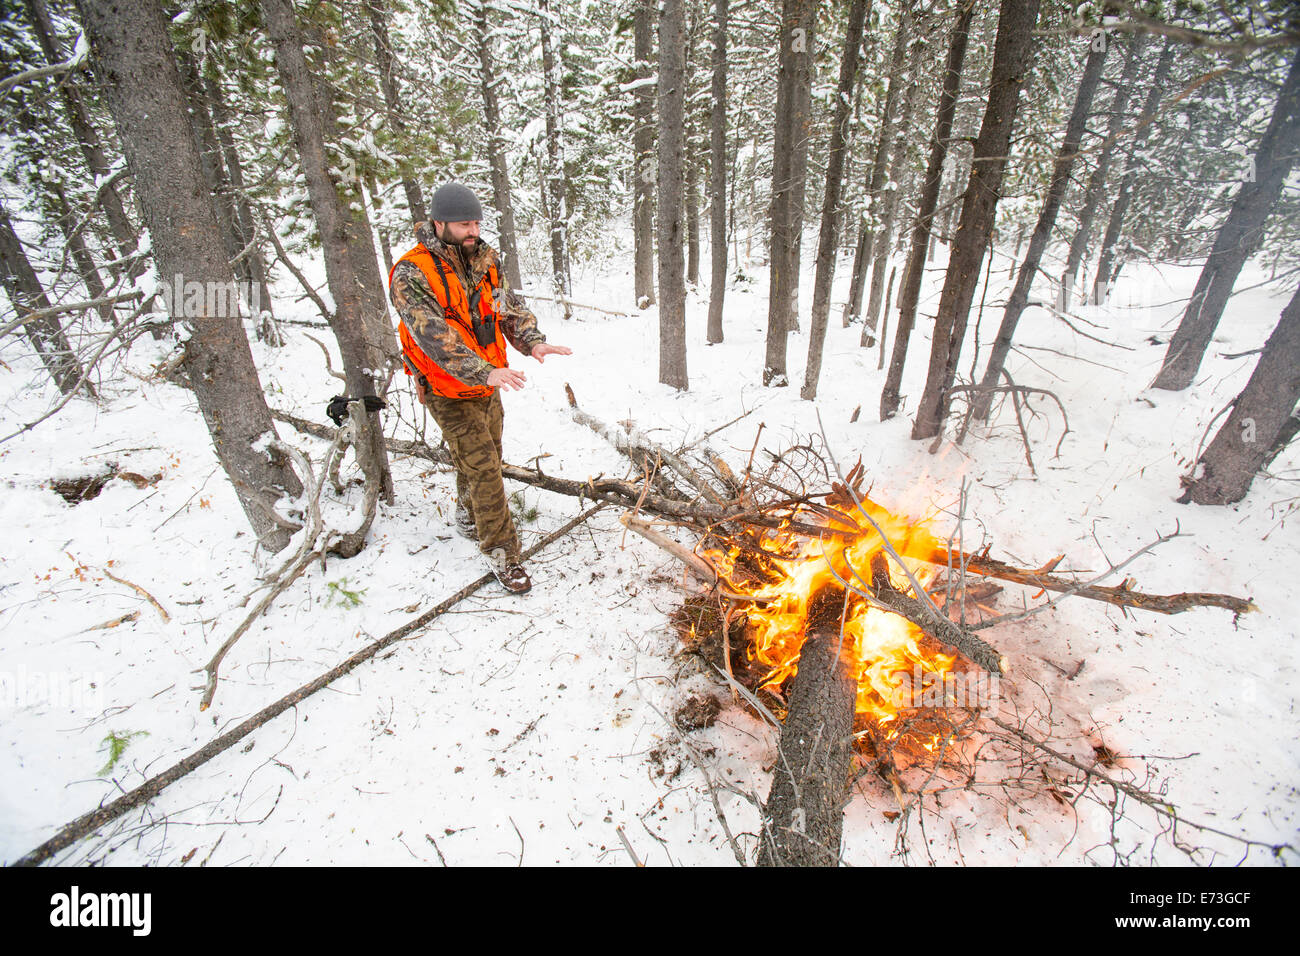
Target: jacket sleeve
419, 309
518, 323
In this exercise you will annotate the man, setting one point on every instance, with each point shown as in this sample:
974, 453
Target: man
457, 314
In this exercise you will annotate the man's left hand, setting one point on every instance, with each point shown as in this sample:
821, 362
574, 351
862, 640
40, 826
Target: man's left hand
541, 350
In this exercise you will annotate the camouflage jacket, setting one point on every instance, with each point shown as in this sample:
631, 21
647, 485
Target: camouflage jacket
420, 311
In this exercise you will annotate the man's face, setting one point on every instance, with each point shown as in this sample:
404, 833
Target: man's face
460, 234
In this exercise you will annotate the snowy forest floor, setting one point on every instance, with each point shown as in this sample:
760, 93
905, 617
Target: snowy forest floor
531, 729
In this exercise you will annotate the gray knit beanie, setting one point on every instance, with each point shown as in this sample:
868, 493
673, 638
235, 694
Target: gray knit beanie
454, 203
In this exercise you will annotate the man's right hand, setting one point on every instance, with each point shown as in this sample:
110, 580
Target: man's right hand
506, 378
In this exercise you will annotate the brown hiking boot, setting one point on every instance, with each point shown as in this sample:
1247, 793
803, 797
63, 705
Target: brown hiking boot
509, 572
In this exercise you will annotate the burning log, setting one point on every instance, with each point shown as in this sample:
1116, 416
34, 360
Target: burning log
927, 618
804, 814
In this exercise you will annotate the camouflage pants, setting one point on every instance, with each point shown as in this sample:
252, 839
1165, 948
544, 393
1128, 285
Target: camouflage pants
472, 429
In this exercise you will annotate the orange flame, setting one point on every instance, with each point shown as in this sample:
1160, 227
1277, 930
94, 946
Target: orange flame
884, 649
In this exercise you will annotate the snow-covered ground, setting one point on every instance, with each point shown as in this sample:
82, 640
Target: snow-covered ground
523, 727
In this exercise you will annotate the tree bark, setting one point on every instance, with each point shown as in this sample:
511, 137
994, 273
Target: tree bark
214, 173
1012, 52
1237, 239
1102, 281
137, 73
1064, 164
496, 147
672, 287
826, 251
1257, 427
910, 293
718, 177
790, 142
1096, 190
643, 147
360, 317
804, 814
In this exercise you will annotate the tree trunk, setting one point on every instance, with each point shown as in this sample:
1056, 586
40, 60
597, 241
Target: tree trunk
858, 277
378, 15
245, 221
25, 291
804, 814
718, 177
910, 293
360, 317
1101, 284
1061, 169
692, 206
214, 174
805, 70
898, 163
1238, 237
137, 73
879, 166
672, 287
1260, 423
1093, 195
791, 140
555, 184
496, 146
86, 135
643, 146
826, 250
1012, 52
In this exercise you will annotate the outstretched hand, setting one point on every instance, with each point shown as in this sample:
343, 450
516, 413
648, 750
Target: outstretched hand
506, 378
541, 350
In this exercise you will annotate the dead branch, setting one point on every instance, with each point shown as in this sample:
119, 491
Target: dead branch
350, 543
1120, 595
297, 274
88, 823
329, 365
140, 591
1158, 804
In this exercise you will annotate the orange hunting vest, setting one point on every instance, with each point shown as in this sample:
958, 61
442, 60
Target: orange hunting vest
457, 309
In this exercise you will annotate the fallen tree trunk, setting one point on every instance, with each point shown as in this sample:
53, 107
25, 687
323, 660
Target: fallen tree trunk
803, 820
89, 822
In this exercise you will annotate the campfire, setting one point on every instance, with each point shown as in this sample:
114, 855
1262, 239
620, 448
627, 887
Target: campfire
787, 585
842, 624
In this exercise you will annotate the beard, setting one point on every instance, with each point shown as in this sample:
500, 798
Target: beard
466, 245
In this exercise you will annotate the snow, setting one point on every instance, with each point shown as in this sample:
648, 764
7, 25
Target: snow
535, 725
